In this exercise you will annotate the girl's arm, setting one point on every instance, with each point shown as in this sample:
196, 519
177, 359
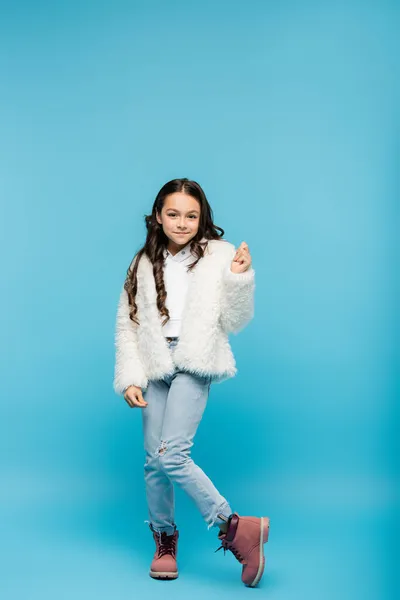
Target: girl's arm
237, 302
128, 367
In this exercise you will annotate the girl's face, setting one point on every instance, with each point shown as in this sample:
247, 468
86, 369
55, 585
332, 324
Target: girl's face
180, 218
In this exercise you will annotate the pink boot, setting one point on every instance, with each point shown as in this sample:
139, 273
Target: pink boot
164, 565
245, 538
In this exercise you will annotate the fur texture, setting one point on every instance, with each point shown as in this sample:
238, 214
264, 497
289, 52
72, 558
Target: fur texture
218, 302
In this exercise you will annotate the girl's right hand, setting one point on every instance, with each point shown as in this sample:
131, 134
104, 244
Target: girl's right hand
133, 396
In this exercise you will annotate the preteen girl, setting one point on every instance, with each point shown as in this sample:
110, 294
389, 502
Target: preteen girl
184, 292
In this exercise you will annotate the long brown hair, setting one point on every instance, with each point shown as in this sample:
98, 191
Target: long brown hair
156, 242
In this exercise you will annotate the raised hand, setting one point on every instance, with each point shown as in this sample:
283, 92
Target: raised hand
242, 259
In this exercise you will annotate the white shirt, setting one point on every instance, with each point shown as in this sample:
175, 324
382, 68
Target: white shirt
176, 279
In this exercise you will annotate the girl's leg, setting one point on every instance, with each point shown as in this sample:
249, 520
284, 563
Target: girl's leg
187, 399
159, 489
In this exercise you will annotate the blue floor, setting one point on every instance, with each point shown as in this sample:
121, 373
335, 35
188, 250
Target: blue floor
70, 539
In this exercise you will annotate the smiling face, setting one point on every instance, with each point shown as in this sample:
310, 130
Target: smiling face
180, 218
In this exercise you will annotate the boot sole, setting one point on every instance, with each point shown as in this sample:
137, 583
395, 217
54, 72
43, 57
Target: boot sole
264, 532
163, 574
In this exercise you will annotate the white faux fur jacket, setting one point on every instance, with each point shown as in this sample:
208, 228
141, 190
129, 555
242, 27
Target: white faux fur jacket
218, 302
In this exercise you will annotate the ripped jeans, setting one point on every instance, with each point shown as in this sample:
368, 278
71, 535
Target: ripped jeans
175, 407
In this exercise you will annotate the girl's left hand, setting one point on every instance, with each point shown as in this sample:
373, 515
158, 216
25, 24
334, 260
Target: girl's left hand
242, 259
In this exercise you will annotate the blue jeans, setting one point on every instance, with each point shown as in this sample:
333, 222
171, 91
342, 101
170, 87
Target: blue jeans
175, 407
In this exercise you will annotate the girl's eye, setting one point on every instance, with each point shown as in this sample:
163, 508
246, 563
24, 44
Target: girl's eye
174, 215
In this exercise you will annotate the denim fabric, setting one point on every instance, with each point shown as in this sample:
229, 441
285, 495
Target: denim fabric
170, 420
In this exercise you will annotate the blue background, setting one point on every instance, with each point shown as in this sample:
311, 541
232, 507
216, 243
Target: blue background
286, 113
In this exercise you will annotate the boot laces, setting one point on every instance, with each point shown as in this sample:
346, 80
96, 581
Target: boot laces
167, 544
229, 546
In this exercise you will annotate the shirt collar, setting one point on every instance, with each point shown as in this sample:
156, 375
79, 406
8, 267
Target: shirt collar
182, 254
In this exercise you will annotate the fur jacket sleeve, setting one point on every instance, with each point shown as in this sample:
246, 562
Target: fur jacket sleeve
237, 300
128, 366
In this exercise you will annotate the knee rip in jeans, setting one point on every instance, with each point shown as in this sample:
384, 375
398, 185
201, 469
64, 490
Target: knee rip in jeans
162, 448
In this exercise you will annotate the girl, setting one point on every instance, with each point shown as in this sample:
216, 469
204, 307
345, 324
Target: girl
185, 291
